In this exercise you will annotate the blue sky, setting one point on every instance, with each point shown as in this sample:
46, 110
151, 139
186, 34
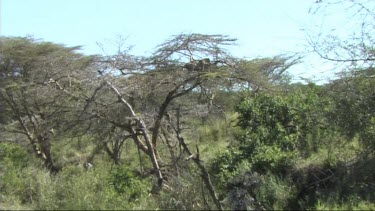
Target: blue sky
263, 28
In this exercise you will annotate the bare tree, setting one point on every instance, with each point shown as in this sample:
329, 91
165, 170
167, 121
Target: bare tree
351, 39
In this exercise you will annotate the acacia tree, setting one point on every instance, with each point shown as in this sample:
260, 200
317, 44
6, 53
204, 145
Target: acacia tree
137, 96
162, 76
33, 75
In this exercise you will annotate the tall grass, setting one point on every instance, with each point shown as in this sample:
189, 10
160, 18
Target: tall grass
353, 203
32, 187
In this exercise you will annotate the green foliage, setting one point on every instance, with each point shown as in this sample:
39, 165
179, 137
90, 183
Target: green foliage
272, 136
272, 158
350, 204
354, 112
126, 183
274, 192
278, 130
292, 124
281, 130
15, 188
13, 154
224, 166
73, 188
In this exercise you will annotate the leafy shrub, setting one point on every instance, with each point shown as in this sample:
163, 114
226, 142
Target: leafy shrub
354, 111
272, 133
124, 182
16, 178
19, 184
224, 166
13, 154
272, 158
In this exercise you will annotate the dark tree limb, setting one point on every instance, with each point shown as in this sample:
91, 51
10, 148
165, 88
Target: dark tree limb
204, 173
173, 94
39, 141
143, 129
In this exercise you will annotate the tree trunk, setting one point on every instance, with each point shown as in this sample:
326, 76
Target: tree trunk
204, 173
143, 129
43, 151
173, 94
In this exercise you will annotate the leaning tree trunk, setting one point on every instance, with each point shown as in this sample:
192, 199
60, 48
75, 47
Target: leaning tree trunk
45, 148
143, 130
40, 141
173, 94
195, 157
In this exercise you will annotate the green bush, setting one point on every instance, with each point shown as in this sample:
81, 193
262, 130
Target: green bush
16, 178
354, 112
224, 166
77, 188
125, 183
13, 154
19, 184
273, 159
272, 136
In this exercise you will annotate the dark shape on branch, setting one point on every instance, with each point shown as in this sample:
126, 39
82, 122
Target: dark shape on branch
198, 65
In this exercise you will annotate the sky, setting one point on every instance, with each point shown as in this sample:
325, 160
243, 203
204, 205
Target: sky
264, 28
